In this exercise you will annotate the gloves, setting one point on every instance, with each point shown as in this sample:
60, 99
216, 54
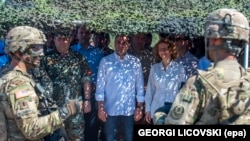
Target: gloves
70, 108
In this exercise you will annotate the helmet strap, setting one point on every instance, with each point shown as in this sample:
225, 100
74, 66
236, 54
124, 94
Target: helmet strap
233, 49
28, 60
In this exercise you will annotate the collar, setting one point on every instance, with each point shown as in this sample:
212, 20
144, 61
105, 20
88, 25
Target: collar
118, 57
170, 64
20, 71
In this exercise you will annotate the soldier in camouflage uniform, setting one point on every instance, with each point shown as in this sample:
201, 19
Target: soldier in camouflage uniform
138, 49
71, 78
20, 105
220, 95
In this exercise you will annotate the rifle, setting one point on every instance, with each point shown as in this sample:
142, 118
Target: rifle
67, 91
45, 101
47, 106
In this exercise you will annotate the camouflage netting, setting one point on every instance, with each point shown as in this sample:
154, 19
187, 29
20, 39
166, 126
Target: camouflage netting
117, 16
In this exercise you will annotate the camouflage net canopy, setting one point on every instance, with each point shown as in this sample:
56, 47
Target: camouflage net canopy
116, 16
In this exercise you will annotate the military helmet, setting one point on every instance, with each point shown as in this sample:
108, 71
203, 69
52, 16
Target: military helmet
20, 38
227, 24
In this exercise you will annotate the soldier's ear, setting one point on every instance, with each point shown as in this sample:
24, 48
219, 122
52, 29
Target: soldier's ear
18, 54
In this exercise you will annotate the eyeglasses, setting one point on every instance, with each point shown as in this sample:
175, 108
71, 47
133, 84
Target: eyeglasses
35, 50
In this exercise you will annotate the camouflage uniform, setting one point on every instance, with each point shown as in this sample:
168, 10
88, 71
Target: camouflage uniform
21, 118
68, 73
19, 113
147, 59
221, 94
40, 77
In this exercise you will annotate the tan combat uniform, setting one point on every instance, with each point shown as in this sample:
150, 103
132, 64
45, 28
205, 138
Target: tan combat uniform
20, 119
198, 102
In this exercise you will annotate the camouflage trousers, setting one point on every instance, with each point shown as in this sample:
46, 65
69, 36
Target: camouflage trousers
74, 127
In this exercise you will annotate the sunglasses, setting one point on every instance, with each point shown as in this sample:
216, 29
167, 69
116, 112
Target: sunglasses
35, 50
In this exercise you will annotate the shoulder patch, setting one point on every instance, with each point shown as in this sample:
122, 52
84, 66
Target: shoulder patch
22, 93
219, 73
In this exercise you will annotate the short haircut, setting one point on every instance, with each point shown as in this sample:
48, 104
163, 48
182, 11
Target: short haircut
102, 34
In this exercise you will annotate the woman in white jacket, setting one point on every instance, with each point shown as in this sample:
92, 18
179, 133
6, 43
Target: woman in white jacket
165, 78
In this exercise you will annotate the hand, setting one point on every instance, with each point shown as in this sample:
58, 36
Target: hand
74, 106
148, 117
102, 115
138, 114
70, 108
86, 106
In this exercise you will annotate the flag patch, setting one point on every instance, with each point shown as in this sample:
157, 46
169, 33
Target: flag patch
22, 93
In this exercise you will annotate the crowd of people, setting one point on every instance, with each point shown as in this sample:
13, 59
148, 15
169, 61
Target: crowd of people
59, 85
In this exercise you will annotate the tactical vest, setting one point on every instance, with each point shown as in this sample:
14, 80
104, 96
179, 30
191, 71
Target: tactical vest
226, 103
11, 132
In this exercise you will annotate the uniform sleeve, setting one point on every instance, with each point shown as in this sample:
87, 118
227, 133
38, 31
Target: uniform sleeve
85, 70
3, 129
24, 104
186, 106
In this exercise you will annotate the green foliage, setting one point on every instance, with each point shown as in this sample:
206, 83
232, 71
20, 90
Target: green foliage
116, 16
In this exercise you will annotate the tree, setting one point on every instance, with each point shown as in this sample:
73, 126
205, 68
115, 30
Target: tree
116, 16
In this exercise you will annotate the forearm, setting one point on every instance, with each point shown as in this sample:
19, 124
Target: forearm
35, 127
87, 90
87, 97
101, 105
3, 133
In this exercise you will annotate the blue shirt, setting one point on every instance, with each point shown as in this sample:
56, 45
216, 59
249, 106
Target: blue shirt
163, 85
120, 84
93, 55
2, 44
4, 58
204, 63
